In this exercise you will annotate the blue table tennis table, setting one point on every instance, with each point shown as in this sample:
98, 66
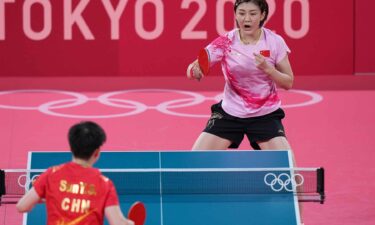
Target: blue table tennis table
189, 208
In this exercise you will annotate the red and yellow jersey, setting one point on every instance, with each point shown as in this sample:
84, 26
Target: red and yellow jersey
75, 195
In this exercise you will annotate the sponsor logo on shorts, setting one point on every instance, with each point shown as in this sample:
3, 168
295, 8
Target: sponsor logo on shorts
211, 121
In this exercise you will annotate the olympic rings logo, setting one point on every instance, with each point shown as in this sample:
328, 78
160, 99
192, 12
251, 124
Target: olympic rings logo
283, 181
117, 100
26, 180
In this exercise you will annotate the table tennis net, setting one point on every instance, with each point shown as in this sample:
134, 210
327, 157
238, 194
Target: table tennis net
305, 183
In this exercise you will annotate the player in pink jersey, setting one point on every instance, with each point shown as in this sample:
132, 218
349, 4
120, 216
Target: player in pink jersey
75, 192
254, 62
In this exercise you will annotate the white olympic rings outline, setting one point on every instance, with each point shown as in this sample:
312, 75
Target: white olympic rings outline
25, 182
283, 181
136, 107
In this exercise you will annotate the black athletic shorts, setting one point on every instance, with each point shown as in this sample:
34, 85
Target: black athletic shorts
261, 128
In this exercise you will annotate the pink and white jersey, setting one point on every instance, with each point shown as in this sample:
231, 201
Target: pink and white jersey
248, 91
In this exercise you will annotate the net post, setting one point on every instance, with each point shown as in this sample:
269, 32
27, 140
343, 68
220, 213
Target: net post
320, 184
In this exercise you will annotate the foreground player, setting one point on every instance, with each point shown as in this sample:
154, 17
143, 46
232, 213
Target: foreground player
75, 192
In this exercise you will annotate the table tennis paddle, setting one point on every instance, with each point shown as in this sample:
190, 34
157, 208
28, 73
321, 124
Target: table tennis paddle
204, 61
137, 213
265, 53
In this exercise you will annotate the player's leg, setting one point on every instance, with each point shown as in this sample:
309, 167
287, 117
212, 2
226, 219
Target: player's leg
207, 141
276, 143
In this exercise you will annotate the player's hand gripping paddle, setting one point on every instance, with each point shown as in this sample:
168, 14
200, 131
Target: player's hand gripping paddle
137, 213
204, 61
